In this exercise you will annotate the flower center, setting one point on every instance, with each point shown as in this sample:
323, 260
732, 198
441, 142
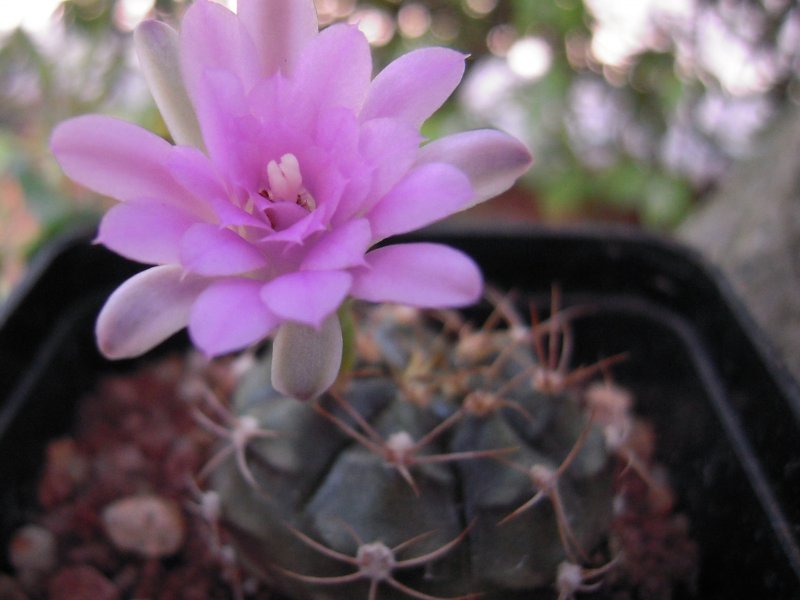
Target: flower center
285, 183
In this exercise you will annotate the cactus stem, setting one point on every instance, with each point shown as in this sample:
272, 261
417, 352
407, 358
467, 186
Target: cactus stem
426, 396
376, 562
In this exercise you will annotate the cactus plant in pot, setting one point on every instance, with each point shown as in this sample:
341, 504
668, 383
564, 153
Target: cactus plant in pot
395, 451
136, 433
373, 452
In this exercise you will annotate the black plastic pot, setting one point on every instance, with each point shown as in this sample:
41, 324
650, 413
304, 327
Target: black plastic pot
727, 415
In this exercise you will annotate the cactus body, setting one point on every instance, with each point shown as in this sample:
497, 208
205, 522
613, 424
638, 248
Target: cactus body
328, 479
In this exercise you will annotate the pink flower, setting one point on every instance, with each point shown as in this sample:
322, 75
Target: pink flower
290, 164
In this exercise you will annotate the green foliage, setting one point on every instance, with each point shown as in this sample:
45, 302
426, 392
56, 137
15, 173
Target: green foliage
558, 17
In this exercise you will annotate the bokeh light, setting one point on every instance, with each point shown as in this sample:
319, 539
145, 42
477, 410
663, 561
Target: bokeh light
31, 15
414, 20
530, 57
480, 8
376, 24
329, 11
129, 13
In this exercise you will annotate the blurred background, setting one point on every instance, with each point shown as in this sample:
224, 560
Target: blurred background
634, 109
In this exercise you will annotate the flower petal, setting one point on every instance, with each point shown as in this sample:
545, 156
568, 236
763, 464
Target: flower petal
156, 46
116, 158
390, 161
492, 160
307, 297
311, 223
424, 275
212, 38
146, 310
342, 248
145, 231
229, 316
195, 172
229, 129
427, 194
306, 361
284, 215
270, 101
375, 166
214, 251
198, 175
333, 70
415, 85
279, 30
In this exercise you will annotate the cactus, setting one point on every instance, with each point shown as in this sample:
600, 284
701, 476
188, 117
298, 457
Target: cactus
452, 460
447, 460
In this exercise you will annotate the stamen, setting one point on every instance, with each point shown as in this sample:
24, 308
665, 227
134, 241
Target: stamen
285, 181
